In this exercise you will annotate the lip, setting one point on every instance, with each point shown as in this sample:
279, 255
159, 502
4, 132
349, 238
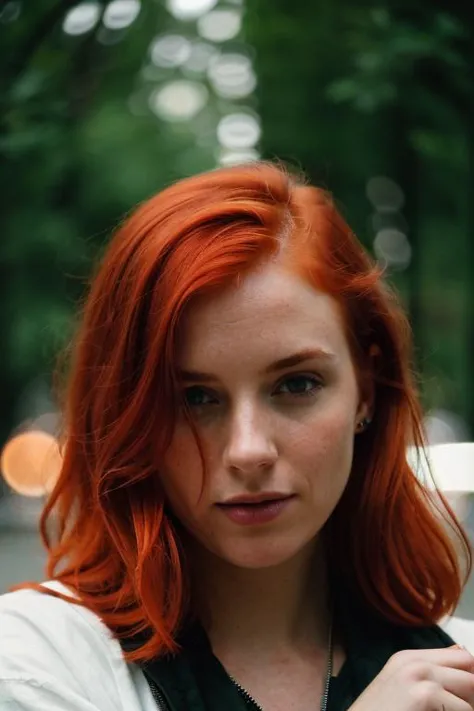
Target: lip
255, 498
255, 510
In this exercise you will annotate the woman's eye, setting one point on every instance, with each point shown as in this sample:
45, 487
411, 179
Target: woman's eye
197, 397
299, 385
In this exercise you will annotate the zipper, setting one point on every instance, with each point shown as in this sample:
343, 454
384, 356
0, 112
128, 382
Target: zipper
161, 703
248, 698
245, 694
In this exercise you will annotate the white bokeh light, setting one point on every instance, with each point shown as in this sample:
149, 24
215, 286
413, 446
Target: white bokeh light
451, 464
189, 9
392, 248
179, 100
228, 157
443, 426
121, 13
220, 25
232, 75
81, 18
200, 57
239, 131
385, 193
170, 51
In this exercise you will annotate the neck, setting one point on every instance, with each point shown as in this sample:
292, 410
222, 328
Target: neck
285, 606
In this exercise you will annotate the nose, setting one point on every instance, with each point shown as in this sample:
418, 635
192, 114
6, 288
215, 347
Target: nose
250, 447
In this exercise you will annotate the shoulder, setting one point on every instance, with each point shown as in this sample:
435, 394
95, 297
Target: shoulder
50, 620
54, 653
461, 630
448, 631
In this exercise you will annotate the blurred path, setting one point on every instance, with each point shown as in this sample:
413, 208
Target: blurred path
21, 554
21, 558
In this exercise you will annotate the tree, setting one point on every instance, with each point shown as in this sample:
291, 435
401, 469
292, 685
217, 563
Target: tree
350, 92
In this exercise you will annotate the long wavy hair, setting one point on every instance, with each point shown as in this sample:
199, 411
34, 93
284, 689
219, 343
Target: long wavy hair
106, 526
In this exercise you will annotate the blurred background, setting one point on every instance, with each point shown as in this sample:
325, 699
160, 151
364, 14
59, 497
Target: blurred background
105, 103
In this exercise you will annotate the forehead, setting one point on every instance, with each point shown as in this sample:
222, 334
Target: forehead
270, 313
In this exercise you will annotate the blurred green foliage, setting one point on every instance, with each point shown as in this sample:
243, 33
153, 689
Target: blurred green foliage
387, 88
345, 91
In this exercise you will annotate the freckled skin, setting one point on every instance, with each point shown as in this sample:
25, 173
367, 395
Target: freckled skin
290, 431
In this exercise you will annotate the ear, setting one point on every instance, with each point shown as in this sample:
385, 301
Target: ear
366, 406
365, 414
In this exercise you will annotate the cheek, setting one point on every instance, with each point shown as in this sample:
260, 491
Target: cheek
324, 447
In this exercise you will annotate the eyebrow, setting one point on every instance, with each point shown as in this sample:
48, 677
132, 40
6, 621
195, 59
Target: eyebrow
281, 364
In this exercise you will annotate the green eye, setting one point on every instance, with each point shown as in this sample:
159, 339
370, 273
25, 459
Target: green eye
197, 397
299, 385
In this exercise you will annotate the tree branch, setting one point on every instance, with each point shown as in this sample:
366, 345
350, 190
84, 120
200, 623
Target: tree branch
36, 38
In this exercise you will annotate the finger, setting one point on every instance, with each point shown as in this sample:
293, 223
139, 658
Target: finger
452, 657
457, 682
449, 702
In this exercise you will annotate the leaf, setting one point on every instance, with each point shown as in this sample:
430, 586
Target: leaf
342, 90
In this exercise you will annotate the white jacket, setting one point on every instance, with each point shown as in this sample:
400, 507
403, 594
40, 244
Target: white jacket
55, 656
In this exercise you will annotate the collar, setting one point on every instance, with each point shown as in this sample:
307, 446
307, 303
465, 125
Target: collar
195, 680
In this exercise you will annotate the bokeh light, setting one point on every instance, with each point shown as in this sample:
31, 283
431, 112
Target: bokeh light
121, 13
170, 50
239, 131
82, 18
385, 194
392, 248
227, 157
179, 100
232, 75
189, 9
30, 463
220, 25
200, 57
442, 426
452, 466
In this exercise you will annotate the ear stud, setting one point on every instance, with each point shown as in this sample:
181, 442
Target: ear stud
363, 425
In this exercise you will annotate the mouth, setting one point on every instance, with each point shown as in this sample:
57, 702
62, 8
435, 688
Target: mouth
256, 500
256, 510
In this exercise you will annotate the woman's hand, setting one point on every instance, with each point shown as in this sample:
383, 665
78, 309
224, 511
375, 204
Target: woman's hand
422, 680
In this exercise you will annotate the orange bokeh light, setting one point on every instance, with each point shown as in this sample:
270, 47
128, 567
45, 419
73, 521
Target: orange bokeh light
30, 463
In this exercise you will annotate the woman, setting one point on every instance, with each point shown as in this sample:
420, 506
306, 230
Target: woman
235, 524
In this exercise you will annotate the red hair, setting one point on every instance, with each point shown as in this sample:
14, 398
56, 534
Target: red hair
106, 527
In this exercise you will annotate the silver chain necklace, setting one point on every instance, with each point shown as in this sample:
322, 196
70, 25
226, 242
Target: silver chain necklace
325, 696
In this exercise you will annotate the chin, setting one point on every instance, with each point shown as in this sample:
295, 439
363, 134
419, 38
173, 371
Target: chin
255, 555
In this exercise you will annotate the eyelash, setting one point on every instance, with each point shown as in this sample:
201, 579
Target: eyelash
316, 385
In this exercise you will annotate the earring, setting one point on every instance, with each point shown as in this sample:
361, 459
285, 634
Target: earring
363, 424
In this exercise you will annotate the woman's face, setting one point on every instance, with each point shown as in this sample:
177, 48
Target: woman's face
268, 377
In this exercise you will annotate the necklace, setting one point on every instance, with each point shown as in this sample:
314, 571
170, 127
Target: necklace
325, 695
